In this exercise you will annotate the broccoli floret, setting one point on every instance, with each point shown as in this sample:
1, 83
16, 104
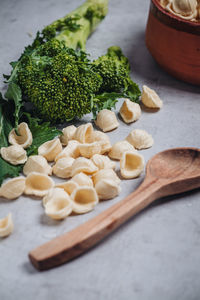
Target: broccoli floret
114, 69
59, 81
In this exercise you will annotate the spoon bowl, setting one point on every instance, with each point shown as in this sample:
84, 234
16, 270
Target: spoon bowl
167, 173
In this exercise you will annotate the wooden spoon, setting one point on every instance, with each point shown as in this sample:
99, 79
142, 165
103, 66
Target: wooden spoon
169, 172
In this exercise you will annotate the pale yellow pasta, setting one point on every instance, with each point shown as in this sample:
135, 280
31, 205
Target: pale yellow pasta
103, 139
15, 154
106, 120
13, 188
119, 148
131, 164
84, 133
130, 111
88, 150
63, 167
85, 165
82, 179
6, 226
69, 186
186, 9
68, 134
58, 204
50, 149
140, 139
150, 98
84, 199
71, 150
107, 189
103, 162
38, 184
23, 138
37, 163
105, 174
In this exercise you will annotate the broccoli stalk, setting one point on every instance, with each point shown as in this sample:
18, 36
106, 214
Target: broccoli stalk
75, 28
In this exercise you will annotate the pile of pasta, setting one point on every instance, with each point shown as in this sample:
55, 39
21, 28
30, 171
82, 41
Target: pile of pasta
83, 157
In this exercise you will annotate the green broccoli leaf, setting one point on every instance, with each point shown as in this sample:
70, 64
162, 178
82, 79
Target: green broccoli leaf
41, 133
8, 170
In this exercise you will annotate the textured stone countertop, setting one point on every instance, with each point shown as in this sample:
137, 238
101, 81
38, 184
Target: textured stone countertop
156, 255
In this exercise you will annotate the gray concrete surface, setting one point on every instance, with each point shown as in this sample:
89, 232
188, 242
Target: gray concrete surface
156, 255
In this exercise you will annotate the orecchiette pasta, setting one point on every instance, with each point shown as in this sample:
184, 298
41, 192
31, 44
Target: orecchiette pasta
130, 111
38, 184
106, 120
82, 164
140, 139
107, 189
63, 167
88, 150
14, 154
71, 150
105, 174
37, 163
84, 199
131, 164
82, 179
84, 133
58, 204
50, 149
186, 9
13, 188
69, 186
119, 148
103, 139
68, 134
150, 98
6, 226
103, 162
24, 139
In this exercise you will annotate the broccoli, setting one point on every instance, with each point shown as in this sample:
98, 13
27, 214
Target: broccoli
56, 76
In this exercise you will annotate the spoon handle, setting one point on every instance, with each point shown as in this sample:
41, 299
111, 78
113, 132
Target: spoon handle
71, 244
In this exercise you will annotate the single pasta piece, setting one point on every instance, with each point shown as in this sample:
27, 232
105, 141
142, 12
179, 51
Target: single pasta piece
58, 204
82, 179
72, 150
103, 162
103, 139
106, 120
69, 186
130, 111
186, 9
63, 167
85, 165
38, 184
140, 139
131, 164
84, 199
84, 133
37, 163
6, 226
150, 98
24, 139
107, 189
119, 148
15, 154
13, 188
68, 134
105, 174
50, 149
88, 150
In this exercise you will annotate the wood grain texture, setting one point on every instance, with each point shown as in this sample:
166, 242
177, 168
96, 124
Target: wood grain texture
174, 43
169, 172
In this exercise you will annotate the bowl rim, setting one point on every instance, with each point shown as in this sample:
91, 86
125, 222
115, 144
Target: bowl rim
173, 20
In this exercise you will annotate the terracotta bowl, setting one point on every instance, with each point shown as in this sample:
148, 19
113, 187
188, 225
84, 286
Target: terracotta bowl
174, 43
